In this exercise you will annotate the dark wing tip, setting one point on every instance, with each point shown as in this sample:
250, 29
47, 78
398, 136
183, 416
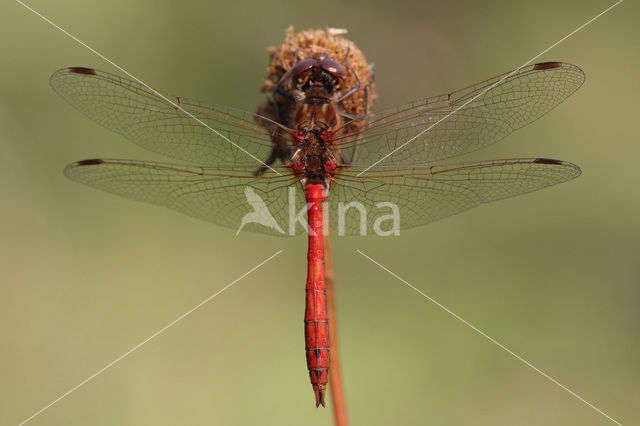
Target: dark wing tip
71, 169
547, 65
82, 70
566, 165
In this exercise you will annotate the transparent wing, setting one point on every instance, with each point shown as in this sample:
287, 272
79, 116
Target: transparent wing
426, 194
224, 196
212, 135
428, 130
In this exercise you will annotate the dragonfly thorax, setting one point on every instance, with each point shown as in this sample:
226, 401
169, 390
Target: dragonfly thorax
310, 117
314, 161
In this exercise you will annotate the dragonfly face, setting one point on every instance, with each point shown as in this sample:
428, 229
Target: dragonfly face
318, 78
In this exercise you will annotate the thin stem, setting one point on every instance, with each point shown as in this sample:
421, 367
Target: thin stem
335, 375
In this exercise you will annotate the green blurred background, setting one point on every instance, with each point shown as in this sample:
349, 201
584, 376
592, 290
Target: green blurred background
553, 275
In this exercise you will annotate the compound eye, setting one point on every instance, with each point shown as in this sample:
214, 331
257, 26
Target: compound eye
302, 66
334, 67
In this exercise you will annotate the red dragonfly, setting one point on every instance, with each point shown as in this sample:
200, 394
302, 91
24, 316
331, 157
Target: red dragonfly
310, 149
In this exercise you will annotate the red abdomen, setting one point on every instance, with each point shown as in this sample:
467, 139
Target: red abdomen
316, 319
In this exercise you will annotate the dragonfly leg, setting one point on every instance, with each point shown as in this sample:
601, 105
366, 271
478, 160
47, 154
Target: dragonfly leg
280, 151
367, 90
279, 90
354, 89
268, 163
357, 117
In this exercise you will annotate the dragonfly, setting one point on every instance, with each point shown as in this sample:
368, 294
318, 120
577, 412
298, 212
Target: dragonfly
309, 155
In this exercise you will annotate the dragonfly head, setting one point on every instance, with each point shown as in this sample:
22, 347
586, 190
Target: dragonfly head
318, 76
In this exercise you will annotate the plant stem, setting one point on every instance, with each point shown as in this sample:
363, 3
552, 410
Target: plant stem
335, 375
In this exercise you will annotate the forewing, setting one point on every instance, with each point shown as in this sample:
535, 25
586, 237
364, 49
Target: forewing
425, 194
204, 134
468, 119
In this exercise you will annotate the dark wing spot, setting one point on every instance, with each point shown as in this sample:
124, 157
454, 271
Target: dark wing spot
548, 161
82, 70
90, 162
547, 65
